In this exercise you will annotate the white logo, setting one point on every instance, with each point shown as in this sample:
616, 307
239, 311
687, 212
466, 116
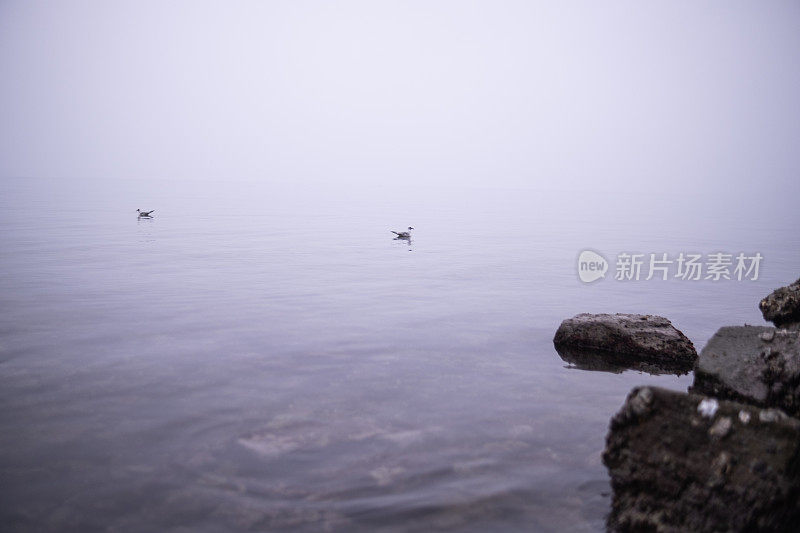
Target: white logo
632, 266
591, 266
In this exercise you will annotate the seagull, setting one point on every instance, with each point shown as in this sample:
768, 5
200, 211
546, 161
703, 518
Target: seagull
403, 234
144, 213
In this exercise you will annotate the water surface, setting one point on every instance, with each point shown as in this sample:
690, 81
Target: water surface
259, 358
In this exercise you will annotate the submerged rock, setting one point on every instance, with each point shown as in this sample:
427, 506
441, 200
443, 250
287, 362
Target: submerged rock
626, 340
605, 361
753, 364
683, 462
782, 307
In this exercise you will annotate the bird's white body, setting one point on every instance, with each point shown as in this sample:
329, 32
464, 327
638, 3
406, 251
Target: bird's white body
403, 234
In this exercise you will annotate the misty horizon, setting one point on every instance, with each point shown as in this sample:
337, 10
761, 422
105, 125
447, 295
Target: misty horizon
680, 96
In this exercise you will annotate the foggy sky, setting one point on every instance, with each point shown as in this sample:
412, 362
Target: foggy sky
679, 95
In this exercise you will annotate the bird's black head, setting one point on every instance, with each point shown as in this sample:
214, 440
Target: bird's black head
410, 227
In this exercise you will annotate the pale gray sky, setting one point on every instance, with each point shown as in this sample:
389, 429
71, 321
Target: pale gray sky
573, 94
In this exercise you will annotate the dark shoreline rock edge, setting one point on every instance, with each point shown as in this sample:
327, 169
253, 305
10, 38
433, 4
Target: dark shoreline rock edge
782, 306
686, 462
630, 338
616, 363
753, 364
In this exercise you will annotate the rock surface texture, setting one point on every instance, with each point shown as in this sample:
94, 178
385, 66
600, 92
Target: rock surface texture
685, 462
758, 365
782, 307
636, 337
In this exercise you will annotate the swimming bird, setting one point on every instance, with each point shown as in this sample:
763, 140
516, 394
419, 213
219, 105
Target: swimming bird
144, 213
403, 234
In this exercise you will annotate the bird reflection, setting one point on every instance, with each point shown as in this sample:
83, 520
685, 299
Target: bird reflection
406, 240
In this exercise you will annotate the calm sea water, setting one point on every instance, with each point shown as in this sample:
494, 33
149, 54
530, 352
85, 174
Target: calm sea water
263, 358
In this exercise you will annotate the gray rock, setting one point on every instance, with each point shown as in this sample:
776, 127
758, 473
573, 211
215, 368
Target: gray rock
676, 467
782, 307
627, 340
753, 364
721, 427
